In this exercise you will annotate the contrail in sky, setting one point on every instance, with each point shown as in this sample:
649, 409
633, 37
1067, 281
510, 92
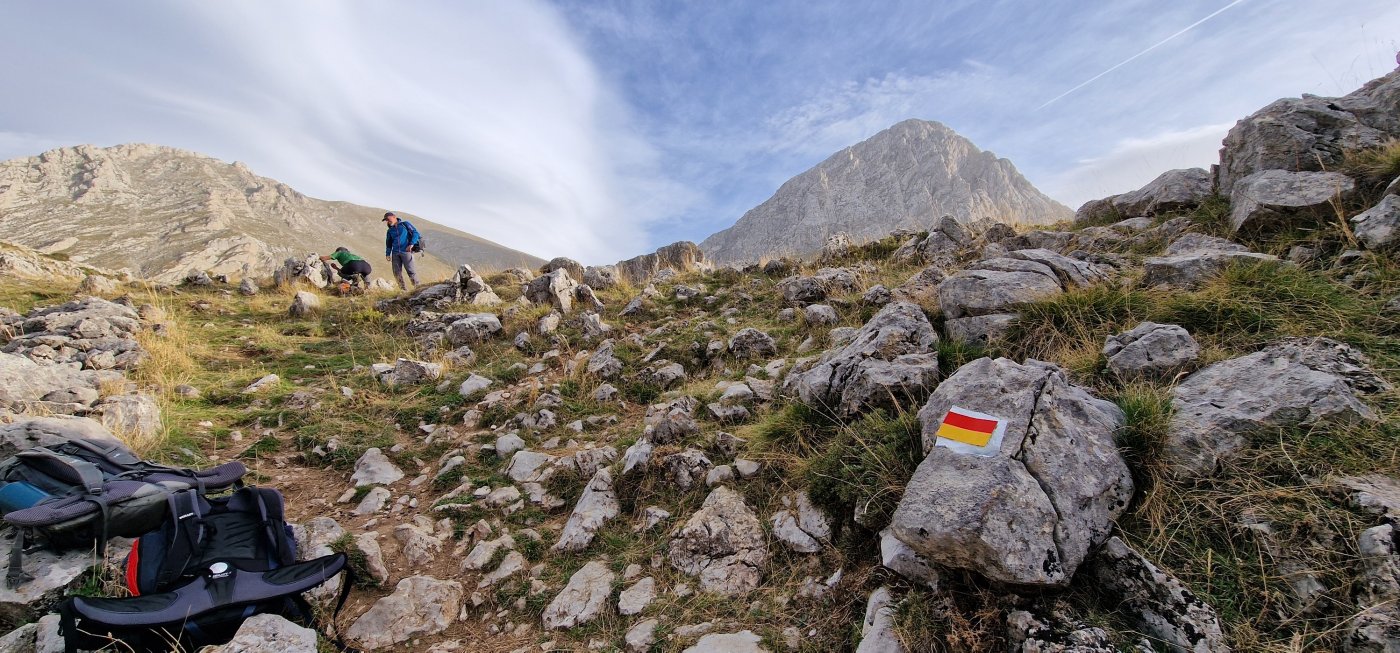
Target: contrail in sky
1149, 49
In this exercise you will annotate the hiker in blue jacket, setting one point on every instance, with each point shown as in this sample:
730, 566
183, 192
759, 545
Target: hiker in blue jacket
399, 241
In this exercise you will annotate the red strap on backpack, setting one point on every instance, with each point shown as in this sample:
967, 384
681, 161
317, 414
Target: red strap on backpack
133, 563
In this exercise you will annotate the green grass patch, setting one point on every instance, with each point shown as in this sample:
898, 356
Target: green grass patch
865, 467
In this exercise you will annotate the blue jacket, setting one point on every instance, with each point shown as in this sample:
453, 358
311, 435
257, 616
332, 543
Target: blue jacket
399, 238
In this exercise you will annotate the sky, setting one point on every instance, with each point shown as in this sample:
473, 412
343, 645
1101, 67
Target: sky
600, 130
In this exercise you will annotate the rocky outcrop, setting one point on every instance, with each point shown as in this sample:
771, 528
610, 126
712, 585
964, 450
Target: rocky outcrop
1310, 133
269, 633
1295, 382
1270, 200
1026, 511
683, 256
947, 240
597, 505
162, 212
723, 544
896, 179
893, 356
804, 290
1379, 226
1171, 191
1377, 628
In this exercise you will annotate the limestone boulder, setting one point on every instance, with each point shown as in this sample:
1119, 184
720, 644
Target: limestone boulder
1150, 350
28, 432
803, 290
751, 343
269, 633
682, 256
1171, 191
472, 329
894, 355
1310, 133
583, 599
1193, 259
1028, 509
1379, 226
996, 286
595, 507
136, 417
878, 629
1272, 199
304, 304
1162, 606
555, 288
723, 544
375, 468
1296, 382
744, 641
574, 268
419, 606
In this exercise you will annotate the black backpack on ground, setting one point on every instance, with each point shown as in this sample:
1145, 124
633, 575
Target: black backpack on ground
82, 492
213, 563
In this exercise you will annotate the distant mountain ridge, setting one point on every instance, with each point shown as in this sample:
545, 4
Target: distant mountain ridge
161, 212
904, 177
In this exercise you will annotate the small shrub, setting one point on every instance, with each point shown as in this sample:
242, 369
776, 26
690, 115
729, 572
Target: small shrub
797, 429
359, 563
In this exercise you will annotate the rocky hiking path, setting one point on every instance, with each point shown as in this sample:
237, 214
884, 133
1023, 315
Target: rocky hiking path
1169, 426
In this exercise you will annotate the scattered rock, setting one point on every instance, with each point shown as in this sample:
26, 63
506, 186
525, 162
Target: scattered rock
723, 544
750, 343
304, 303
1171, 192
1150, 350
375, 468
583, 599
420, 606
269, 633
743, 641
1378, 226
1162, 605
878, 629
597, 505
636, 598
893, 355
1272, 199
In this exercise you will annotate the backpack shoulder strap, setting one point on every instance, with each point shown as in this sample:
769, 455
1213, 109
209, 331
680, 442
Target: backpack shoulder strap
73, 469
186, 538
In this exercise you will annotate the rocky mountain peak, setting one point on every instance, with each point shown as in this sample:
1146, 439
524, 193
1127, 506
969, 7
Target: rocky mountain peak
905, 177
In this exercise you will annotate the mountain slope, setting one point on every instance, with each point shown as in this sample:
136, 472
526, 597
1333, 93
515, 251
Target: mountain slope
162, 212
904, 177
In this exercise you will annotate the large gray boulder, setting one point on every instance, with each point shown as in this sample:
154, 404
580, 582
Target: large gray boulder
996, 286
1028, 511
744, 641
29, 432
1161, 605
803, 290
946, 241
723, 544
1150, 349
24, 382
1171, 191
1310, 133
136, 417
420, 606
893, 356
1379, 226
1271, 199
574, 268
1295, 382
304, 303
1193, 259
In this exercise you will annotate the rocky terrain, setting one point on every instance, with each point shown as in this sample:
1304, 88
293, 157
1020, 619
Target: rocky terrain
904, 177
1193, 391
160, 213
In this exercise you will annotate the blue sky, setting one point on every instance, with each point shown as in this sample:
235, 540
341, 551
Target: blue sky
600, 130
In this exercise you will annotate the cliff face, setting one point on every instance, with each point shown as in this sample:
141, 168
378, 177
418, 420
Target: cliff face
162, 212
902, 178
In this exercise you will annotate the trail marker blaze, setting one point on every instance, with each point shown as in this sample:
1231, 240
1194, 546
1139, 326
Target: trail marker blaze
968, 431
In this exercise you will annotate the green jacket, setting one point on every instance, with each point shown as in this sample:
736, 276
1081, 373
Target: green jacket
344, 258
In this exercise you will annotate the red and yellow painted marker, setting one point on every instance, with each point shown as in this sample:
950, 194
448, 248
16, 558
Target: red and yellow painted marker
968, 431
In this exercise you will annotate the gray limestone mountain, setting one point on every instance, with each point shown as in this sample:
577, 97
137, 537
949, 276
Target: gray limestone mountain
161, 212
904, 177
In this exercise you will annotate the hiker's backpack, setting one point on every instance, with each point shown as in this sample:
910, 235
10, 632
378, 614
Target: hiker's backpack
419, 244
84, 491
213, 562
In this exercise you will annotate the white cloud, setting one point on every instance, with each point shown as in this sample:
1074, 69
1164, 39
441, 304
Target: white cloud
1133, 162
